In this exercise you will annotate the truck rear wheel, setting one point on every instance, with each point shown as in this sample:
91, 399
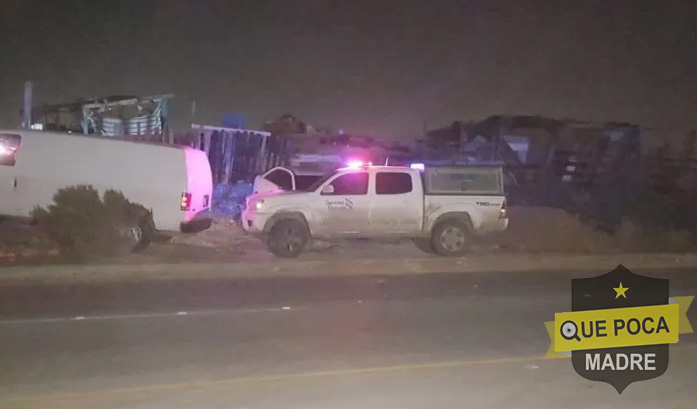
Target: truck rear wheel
143, 233
138, 231
451, 238
424, 245
287, 238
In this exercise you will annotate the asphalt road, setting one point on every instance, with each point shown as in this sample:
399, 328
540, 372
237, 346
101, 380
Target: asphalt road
438, 340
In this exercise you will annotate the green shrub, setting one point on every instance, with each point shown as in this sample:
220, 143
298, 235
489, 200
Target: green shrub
86, 226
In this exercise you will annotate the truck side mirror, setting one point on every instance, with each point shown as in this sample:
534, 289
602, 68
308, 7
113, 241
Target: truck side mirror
328, 190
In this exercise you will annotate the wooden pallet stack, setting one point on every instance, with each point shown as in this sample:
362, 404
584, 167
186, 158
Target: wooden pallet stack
672, 173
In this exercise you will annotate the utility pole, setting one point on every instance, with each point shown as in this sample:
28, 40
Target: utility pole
462, 134
193, 111
26, 112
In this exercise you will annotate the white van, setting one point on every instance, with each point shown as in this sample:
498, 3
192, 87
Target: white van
175, 183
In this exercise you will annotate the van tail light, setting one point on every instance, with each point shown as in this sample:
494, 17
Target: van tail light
502, 212
186, 201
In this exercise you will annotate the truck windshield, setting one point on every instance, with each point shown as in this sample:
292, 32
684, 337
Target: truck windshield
313, 187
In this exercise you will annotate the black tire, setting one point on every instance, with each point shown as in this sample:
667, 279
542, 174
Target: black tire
450, 238
424, 245
147, 233
288, 238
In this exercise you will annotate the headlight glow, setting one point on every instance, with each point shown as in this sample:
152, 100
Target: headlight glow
259, 204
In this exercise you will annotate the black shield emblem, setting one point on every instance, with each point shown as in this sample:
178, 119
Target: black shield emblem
599, 293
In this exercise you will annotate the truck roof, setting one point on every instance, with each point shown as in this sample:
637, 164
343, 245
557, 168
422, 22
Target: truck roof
375, 167
450, 166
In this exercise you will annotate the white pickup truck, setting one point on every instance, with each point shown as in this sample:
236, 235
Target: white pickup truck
439, 208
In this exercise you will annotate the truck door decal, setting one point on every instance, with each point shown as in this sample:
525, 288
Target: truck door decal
339, 204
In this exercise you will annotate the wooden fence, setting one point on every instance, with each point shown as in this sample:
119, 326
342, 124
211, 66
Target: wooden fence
669, 175
238, 155
235, 154
657, 183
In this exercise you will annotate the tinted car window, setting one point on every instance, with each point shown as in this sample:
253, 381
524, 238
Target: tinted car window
302, 182
280, 178
351, 184
9, 147
392, 183
320, 182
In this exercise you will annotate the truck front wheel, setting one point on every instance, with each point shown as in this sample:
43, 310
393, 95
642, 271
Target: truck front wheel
287, 238
451, 238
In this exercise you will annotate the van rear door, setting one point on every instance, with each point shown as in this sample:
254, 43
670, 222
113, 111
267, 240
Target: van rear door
198, 196
9, 155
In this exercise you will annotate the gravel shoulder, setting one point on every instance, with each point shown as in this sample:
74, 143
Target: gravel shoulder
538, 239
330, 266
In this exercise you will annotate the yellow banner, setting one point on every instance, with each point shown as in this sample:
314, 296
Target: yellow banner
618, 327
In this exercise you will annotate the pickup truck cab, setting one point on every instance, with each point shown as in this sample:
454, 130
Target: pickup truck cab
439, 208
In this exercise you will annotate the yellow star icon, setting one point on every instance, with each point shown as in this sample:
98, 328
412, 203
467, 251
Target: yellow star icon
621, 291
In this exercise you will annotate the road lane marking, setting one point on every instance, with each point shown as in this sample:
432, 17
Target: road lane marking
231, 311
290, 377
264, 379
146, 315
178, 313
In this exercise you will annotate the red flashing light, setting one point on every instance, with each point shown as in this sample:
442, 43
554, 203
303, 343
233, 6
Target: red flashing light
186, 201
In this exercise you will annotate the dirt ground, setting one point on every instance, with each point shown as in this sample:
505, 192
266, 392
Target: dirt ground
531, 230
225, 241
548, 230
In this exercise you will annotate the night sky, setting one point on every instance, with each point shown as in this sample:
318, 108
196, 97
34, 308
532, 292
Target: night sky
368, 66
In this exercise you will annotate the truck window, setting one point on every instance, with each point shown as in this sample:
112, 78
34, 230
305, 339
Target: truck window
320, 182
9, 147
302, 182
351, 184
281, 178
392, 183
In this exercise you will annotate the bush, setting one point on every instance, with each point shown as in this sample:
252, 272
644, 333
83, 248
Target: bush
85, 226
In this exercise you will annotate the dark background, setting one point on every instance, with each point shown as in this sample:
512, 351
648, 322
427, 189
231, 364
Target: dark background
369, 66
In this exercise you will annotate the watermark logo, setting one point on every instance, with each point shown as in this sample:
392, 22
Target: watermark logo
619, 327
